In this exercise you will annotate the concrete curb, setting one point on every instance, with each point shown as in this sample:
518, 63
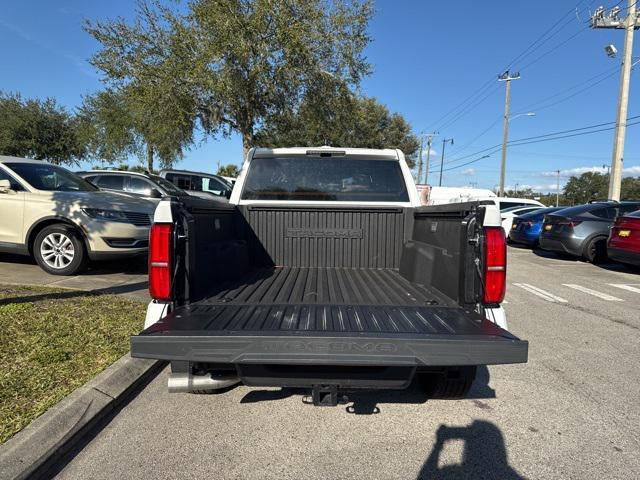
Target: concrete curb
34, 450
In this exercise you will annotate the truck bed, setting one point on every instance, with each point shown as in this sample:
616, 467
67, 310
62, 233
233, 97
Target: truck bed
330, 316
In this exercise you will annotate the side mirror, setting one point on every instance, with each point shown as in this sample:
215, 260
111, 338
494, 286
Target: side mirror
227, 194
5, 186
155, 194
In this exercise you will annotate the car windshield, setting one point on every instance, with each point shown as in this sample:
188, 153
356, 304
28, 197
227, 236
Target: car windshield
44, 176
168, 186
332, 179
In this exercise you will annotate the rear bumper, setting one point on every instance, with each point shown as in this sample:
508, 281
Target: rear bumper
523, 238
317, 349
624, 256
571, 246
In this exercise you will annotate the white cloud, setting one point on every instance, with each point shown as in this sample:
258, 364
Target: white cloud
544, 188
469, 172
432, 152
627, 172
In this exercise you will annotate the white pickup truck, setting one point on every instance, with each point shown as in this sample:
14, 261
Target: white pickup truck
324, 272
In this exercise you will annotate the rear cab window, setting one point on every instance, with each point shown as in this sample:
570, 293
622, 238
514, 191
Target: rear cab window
325, 179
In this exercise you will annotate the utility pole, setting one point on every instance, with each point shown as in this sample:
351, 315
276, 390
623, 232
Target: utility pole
419, 175
505, 77
558, 188
629, 24
429, 142
444, 143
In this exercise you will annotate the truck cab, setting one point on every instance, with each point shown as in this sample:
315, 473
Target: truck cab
324, 272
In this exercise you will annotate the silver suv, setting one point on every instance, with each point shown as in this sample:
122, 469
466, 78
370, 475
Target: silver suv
63, 221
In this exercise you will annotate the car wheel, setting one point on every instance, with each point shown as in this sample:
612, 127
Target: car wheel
59, 250
596, 250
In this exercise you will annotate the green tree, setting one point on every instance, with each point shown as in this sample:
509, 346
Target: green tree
39, 129
230, 64
230, 170
630, 189
338, 118
588, 186
140, 120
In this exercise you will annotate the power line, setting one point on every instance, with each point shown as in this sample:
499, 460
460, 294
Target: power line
551, 50
543, 138
609, 72
459, 110
537, 141
486, 90
539, 105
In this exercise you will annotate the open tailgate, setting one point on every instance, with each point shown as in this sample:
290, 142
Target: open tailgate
328, 335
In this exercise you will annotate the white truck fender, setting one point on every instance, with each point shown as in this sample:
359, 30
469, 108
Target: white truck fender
497, 316
156, 310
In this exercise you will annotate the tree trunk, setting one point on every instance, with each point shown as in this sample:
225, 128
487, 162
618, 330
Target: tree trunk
149, 157
247, 142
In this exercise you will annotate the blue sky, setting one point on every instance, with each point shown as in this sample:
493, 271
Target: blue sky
427, 58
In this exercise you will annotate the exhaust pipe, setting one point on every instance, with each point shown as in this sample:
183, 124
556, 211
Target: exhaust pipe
187, 382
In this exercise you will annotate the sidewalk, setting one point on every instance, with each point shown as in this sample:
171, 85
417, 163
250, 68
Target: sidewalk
127, 276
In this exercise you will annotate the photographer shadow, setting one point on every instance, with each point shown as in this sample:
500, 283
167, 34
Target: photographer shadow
484, 454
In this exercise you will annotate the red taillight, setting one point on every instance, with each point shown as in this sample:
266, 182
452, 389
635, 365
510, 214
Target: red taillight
160, 248
625, 234
495, 265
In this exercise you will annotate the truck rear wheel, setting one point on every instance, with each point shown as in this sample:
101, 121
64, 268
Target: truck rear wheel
450, 383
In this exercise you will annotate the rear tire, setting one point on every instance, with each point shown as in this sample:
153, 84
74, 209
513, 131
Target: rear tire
451, 383
59, 250
596, 250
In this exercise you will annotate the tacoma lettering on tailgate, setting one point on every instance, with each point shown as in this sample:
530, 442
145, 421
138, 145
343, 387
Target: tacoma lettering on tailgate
328, 347
324, 233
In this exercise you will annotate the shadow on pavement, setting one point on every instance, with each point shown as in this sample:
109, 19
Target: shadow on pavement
119, 289
129, 266
609, 265
11, 258
367, 402
484, 454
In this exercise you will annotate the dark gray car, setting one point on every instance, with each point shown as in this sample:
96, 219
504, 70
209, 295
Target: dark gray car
582, 230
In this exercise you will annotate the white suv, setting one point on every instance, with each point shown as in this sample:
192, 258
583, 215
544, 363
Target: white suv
63, 221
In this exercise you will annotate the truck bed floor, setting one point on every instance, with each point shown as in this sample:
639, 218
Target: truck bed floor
334, 286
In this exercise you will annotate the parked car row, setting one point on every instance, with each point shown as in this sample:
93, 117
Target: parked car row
166, 184
63, 220
594, 231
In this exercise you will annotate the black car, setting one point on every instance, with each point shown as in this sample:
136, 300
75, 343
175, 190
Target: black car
582, 230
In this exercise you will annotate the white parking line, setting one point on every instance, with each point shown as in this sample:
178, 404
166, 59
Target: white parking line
626, 287
595, 293
549, 297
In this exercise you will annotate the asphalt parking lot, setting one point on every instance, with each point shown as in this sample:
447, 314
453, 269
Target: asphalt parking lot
571, 412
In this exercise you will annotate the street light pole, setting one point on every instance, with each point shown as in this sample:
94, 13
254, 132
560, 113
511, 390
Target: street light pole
444, 143
558, 188
505, 77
